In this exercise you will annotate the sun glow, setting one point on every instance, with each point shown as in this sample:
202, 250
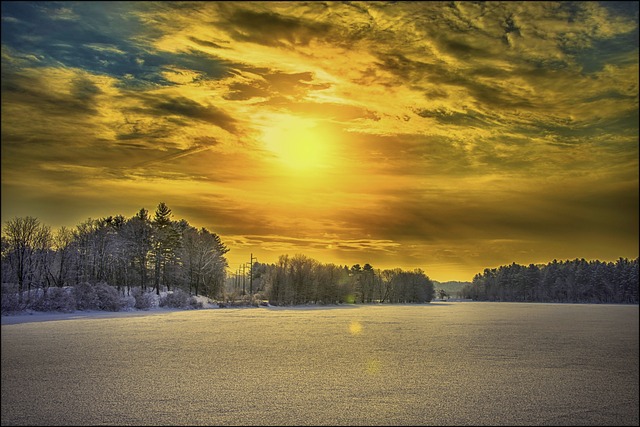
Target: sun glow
300, 144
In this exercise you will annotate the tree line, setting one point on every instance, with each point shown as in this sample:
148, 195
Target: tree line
298, 279
157, 253
152, 253
575, 281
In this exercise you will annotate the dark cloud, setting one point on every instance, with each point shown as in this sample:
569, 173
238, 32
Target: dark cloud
405, 70
33, 91
419, 74
142, 134
282, 82
447, 117
243, 91
207, 65
533, 215
273, 29
274, 84
463, 49
84, 89
187, 108
207, 43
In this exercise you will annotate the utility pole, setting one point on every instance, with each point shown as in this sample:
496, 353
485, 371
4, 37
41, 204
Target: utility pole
244, 276
237, 282
251, 273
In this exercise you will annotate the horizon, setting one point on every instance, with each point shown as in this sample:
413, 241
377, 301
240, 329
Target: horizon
440, 136
237, 260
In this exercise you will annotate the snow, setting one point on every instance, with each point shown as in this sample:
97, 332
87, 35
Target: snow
39, 316
410, 364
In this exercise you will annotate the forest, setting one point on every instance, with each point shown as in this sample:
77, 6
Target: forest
115, 263
103, 262
576, 281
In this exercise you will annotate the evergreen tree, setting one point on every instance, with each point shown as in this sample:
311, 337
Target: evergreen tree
165, 242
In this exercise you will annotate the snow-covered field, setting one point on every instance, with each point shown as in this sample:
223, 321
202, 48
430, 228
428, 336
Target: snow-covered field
423, 364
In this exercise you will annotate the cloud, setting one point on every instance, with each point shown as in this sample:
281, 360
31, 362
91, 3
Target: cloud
272, 29
63, 14
486, 129
72, 96
103, 47
274, 84
182, 106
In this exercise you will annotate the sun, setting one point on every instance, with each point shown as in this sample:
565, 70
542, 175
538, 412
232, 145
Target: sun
297, 143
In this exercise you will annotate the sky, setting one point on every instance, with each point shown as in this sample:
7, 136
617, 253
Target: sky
446, 136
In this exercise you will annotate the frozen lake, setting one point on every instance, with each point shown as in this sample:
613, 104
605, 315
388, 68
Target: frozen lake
459, 363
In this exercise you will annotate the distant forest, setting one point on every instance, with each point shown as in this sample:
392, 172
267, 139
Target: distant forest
578, 281
451, 289
114, 263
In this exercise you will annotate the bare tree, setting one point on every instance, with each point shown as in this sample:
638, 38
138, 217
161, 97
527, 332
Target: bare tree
27, 239
60, 265
136, 233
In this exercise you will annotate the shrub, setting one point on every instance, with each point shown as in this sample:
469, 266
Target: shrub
180, 299
86, 297
42, 301
176, 299
128, 302
108, 297
10, 298
56, 299
195, 304
144, 300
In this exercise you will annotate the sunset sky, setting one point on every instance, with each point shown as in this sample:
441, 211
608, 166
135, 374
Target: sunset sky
450, 137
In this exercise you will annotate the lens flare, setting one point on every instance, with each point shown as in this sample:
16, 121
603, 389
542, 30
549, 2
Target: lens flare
355, 328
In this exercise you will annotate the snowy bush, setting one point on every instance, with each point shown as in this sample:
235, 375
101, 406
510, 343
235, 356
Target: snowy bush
10, 298
100, 296
55, 299
128, 303
108, 297
176, 299
144, 300
86, 297
195, 304
180, 299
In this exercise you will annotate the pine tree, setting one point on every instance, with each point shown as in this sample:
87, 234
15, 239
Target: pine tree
165, 243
